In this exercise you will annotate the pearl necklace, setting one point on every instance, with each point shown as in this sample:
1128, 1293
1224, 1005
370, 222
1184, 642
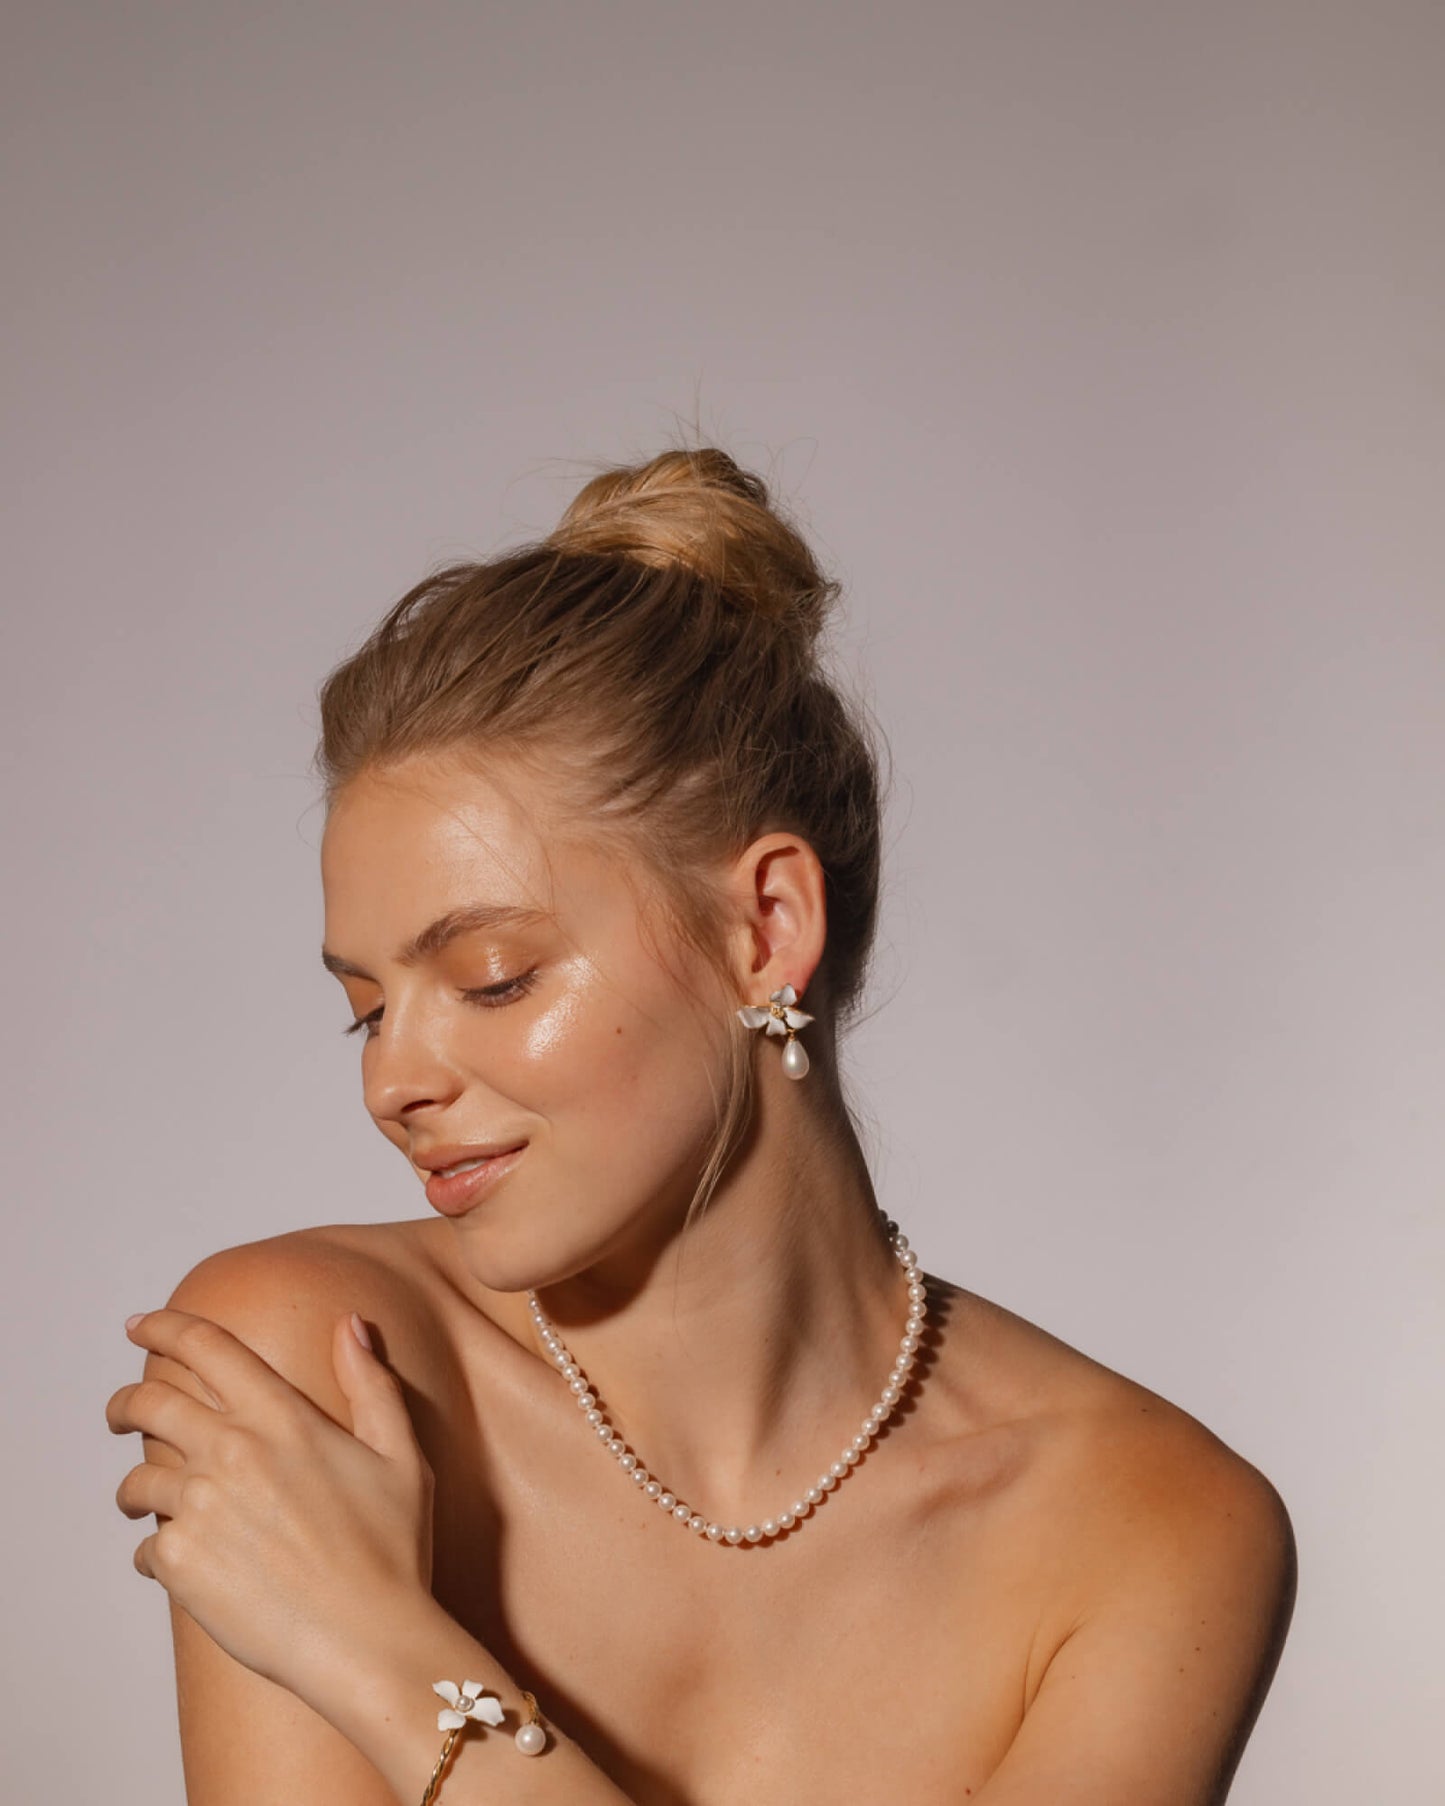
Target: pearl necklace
801, 1508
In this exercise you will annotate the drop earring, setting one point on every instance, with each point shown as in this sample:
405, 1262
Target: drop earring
780, 1018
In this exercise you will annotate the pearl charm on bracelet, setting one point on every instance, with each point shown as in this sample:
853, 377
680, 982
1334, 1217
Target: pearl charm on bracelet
766, 1529
531, 1738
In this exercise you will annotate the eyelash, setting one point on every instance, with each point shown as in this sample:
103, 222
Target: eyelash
489, 997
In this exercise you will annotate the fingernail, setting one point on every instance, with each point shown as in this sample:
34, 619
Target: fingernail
360, 1331
131, 1322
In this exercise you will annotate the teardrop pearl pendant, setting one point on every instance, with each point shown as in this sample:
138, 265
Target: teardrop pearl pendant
780, 1018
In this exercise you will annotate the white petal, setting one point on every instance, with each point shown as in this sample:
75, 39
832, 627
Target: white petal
448, 1691
489, 1710
797, 1018
785, 994
447, 1720
775, 1026
472, 1688
752, 1017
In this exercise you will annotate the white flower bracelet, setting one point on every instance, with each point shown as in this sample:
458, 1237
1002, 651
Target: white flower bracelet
472, 1704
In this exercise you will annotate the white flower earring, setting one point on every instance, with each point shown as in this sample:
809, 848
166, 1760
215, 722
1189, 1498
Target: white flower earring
780, 1018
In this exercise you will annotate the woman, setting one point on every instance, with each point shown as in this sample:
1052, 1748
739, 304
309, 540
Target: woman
597, 826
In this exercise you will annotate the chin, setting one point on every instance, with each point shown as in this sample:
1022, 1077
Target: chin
509, 1252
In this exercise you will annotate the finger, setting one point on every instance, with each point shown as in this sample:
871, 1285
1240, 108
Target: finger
156, 1408
379, 1416
149, 1489
234, 1373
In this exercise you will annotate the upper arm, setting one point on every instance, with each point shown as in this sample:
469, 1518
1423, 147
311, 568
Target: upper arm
1152, 1695
244, 1738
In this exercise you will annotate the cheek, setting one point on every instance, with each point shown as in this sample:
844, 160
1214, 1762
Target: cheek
620, 1063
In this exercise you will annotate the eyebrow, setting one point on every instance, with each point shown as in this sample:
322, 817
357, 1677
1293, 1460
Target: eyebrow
442, 932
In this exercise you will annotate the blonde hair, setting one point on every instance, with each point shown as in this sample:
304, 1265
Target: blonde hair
657, 655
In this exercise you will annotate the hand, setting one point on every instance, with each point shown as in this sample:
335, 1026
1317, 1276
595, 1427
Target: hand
282, 1534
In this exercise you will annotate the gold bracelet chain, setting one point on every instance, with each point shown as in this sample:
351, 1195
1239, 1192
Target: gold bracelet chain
442, 1760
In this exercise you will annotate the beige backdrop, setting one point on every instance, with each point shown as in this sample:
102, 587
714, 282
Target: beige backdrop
1101, 346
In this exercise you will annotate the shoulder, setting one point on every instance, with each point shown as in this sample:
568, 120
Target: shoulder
282, 1296
1126, 1501
1122, 1470
1170, 1568
1186, 1571
1158, 1502
1171, 1510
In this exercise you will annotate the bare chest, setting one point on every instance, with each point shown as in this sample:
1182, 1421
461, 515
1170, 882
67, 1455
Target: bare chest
881, 1652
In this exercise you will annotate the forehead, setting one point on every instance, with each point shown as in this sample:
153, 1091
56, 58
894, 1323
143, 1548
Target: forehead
435, 832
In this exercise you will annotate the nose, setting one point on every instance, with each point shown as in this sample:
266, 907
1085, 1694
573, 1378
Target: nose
409, 1067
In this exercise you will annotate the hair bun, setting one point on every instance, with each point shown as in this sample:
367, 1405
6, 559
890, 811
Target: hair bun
701, 511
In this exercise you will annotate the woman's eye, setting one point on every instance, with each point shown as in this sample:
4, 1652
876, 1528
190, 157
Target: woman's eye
488, 996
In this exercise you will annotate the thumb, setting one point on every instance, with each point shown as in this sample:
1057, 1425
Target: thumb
379, 1416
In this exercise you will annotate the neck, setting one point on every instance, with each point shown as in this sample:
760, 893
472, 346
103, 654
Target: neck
736, 1357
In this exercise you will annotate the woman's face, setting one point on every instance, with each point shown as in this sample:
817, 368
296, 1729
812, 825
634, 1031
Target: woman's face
545, 1018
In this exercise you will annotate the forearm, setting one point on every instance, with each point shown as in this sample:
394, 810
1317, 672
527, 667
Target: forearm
379, 1696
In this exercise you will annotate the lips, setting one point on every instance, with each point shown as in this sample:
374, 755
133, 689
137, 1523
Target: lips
436, 1160
453, 1194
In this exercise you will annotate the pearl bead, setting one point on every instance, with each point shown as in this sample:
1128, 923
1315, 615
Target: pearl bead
683, 1514
653, 1489
531, 1740
715, 1533
813, 1494
626, 1459
665, 1499
733, 1535
795, 1058
697, 1522
754, 1533
639, 1474
786, 1519
770, 1526
827, 1481
838, 1469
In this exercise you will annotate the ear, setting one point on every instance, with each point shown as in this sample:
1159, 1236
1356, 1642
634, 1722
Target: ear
782, 916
